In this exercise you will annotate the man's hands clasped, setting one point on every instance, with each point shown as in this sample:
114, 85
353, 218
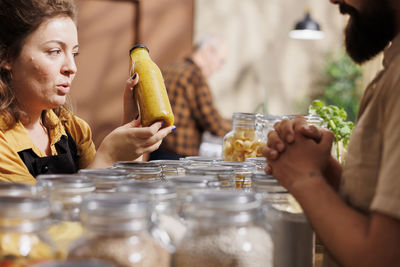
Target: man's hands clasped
297, 151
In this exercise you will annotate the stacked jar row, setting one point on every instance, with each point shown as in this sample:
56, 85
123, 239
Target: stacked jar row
125, 218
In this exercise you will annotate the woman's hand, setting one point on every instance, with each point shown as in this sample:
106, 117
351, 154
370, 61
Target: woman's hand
303, 159
131, 110
129, 142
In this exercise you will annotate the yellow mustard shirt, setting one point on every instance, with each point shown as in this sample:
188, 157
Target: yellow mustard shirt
13, 169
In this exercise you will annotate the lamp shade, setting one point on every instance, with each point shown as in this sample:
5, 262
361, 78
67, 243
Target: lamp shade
307, 29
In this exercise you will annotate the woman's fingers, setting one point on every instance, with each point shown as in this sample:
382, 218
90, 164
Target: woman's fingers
130, 106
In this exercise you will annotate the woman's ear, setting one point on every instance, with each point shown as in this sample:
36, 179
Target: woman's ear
5, 64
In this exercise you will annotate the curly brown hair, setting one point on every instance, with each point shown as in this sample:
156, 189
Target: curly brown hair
18, 19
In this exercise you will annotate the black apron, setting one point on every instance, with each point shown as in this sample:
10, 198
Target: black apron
67, 160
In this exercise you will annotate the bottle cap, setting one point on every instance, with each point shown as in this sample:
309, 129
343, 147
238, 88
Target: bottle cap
138, 46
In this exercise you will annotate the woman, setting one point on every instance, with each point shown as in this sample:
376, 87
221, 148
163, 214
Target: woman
38, 133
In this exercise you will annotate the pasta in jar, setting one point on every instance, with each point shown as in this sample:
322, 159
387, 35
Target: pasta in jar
245, 140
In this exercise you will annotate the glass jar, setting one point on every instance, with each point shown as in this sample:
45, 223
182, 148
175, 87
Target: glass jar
225, 228
263, 183
163, 197
106, 180
188, 185
201, 160
311, 119
140, 170
72, 263
117, 230
17, 189
225, 175
292, 235
171, 167
65, 192
23, 240
245, 140
260, 163
243, 172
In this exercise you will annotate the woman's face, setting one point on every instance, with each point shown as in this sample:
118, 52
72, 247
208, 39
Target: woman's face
43, 72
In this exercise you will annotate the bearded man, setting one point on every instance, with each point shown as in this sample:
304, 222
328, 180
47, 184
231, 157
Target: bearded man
360, 225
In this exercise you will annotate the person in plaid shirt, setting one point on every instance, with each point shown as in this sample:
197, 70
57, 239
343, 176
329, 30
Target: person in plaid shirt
191, 100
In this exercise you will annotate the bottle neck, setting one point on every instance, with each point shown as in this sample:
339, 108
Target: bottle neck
139, 53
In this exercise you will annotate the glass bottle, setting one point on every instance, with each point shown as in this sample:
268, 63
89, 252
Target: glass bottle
23, 240
65, 193
245, 140
117, 230
150, 93
225, 228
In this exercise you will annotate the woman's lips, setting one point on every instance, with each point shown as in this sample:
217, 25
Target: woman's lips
63, 89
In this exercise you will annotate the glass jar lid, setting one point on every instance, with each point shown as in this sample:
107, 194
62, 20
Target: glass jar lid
24, 208
212, 170
105, 173
74, 263
136, 165
166, 163
106, 180
238, 165
157, 190
202, 159
17, 189
260, 163
115, 212
195, 181
65, 183
224, 206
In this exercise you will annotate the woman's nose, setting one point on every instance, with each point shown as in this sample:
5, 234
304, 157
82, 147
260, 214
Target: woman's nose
69, 65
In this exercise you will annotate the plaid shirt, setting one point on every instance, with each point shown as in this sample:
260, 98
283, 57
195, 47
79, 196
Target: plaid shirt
193, 108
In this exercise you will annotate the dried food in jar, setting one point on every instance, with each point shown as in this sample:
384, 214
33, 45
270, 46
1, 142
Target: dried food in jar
123, 251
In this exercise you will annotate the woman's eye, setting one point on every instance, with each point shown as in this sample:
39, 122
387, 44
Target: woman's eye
75, 54
55, 52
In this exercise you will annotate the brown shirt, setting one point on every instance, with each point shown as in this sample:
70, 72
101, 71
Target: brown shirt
371, 175
194, 111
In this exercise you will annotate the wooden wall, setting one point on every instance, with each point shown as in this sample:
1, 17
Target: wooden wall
106, 31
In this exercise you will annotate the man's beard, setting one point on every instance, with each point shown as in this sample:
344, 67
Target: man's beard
369, 30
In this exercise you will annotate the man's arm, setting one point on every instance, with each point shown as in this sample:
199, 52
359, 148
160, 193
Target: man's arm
353, 238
